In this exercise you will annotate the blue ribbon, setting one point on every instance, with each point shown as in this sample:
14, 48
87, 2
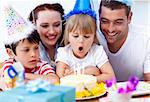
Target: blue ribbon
42, 85
38, 84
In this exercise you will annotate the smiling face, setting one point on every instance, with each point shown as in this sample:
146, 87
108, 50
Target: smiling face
114, 24
27, 53
49, 26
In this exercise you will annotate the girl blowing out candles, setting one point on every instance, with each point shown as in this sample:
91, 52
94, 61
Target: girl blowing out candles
81, 46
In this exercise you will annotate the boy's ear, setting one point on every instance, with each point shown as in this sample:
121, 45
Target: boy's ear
10, 52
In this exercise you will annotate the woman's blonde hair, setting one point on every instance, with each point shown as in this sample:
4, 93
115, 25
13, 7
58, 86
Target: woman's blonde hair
82, 23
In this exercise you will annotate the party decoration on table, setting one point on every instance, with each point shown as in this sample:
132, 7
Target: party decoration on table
112, 84
122, 93
82, 7
14, 26
38, 84
14, 75
130, 85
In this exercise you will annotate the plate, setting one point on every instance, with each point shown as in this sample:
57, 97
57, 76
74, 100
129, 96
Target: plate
91, 97
143, 88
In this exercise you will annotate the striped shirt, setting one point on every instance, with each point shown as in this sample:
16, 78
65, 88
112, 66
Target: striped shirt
43, 68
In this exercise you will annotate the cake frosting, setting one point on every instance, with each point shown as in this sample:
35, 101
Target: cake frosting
80, 82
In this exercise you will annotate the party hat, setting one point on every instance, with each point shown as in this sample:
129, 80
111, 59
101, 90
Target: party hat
127, 2
82, 7
14, 26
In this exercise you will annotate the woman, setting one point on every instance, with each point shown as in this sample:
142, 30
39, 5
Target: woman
48, 18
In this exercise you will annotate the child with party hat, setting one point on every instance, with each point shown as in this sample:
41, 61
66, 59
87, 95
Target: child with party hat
81, 45
22, 45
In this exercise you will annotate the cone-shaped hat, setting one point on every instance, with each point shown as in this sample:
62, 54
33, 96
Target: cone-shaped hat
82, 7
15, 27
127, 2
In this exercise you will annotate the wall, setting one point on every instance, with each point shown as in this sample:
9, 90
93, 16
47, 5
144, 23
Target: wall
141, 12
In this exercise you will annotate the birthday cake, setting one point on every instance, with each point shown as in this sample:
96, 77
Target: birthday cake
86, 85
81, 82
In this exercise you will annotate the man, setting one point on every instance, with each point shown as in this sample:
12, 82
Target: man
128, 47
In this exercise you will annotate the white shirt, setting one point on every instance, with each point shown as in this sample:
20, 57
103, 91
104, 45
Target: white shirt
133, 58
95, 57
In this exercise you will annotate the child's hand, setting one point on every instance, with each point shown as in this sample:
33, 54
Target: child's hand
92, 70
68, 71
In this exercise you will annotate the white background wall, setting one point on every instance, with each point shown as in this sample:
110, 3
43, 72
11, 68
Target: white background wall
141, 13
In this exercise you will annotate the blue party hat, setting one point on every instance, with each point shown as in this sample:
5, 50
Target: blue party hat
82, 7
127, 2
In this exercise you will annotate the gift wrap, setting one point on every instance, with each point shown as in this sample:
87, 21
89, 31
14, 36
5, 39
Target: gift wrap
56, 94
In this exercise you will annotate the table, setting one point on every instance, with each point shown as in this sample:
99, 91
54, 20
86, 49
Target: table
104, 99
94, 100
141, 98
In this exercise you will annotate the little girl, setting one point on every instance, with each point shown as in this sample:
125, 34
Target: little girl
82, 49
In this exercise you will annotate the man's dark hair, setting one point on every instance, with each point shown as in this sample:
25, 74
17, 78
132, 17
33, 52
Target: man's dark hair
32, 38
113, 5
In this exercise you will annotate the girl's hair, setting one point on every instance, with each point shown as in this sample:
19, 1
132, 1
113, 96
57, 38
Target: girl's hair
32, 38
55, 7
80, 23
113, 5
